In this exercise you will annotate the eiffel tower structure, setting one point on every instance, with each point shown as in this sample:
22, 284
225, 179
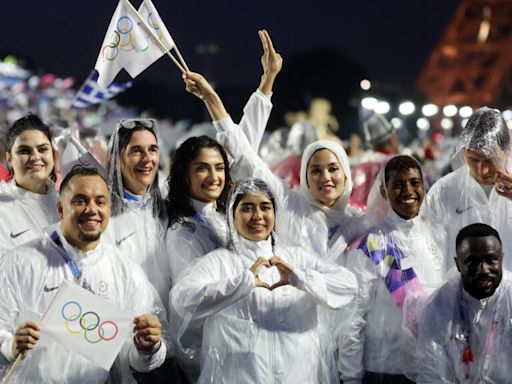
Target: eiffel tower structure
472, 63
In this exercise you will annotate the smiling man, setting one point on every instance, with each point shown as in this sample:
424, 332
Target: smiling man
481, 189
75, 251
465, 330
393, 262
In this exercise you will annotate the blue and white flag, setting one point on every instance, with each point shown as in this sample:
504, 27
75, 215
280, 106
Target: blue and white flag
91, 93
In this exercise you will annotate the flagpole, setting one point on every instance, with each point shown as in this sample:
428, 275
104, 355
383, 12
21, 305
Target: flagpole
22, 355
155, 37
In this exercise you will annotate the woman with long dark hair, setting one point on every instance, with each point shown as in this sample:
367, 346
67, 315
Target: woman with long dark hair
28, 202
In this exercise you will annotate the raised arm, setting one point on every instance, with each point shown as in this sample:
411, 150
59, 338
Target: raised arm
258, 107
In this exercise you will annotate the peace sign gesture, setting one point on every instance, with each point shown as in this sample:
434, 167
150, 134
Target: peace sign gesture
271, 62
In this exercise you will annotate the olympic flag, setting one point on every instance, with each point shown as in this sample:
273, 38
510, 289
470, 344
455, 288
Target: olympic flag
128, 43
86, 324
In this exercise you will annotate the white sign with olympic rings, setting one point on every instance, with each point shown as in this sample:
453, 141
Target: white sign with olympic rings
86, 324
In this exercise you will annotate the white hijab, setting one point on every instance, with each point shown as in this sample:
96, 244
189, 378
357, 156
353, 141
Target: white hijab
337, 212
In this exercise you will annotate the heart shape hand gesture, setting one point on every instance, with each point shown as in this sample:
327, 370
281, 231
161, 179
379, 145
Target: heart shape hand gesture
284, 269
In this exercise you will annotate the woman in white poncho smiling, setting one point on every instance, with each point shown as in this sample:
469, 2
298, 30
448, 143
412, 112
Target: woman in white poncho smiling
259, 299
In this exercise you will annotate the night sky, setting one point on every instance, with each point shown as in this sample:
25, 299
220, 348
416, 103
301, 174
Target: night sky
390, 40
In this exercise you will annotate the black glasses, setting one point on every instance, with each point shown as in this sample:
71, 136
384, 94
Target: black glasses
132, 123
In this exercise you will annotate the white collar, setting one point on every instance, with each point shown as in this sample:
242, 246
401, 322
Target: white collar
204, 208
76, 254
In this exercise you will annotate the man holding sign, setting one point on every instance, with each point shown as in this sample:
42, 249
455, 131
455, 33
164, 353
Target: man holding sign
74, 256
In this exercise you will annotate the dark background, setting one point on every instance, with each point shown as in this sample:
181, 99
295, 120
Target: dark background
328, 47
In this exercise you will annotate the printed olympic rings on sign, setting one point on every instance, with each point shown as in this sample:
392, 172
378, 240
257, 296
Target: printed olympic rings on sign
88, 323
122, 38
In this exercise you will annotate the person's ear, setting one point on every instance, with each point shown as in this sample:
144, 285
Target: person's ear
457, 263
383, 192
60, 211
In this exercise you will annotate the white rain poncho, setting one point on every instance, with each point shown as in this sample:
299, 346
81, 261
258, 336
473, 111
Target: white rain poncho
185, 245
397, 263
138, 225
24, 214
308, 225
442, 336
457, 199
339, 216
253, 334
29, 269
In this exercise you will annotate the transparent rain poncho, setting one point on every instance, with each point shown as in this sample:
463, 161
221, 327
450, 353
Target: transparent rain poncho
443, 336
25, 214
138, 226
29, 270
397, 263
206, 229
458, 199
305, 219
186, 243
253, 334
486, 132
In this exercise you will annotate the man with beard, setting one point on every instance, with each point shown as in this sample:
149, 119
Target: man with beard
32, 273
394, 263
465, 330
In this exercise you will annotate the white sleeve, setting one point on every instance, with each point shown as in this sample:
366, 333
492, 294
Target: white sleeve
329, 285
255, 118
433, 361
145, 300
351, 344
182, 250
205, 289
145, 362
9, 308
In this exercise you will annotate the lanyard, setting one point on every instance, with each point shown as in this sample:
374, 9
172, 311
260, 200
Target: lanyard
467, 353
73, 266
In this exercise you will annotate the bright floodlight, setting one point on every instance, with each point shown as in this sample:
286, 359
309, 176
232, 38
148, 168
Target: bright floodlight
447, 124
464, 122
450, 110
365, 84
397, 122
382, 107
507, 114
369, 102
423, 124
465, 111
430, 110
406, 108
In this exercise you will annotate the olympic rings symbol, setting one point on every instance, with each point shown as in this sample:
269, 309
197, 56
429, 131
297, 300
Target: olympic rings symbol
122, 38
88, 323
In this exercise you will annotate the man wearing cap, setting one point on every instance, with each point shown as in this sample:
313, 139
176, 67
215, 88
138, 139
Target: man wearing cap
465, 330
32, 273
383, 140
480, 189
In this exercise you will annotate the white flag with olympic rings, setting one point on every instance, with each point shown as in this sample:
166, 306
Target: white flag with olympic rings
129, 45
86, 324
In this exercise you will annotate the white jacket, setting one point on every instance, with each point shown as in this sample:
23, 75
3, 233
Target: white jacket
138, 235
253, 335
378, 340
457, 200
307, 225
442, 336
24, 214
28, 275
185, 245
